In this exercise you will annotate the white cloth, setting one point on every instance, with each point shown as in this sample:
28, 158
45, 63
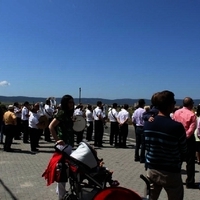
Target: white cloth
48, 111
123, 115
78, 111
112, 115
98, 113
17, 113
89, 115
25, 112
84, 154
137, 117
196, 130
33, 120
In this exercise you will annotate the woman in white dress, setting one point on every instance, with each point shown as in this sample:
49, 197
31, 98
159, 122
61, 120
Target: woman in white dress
197, 135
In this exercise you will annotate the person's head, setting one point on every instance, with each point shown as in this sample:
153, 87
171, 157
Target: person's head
126, 106
147, 108
11, 108
99, 103
153, 99
114, 105
48, 102
26, 104
16, 104
35, 107
188, 102
79, 106
164, 101
141, 102
67, 103
198, 110
89, 107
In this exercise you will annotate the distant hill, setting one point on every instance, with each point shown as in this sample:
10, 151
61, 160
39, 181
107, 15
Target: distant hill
92, 101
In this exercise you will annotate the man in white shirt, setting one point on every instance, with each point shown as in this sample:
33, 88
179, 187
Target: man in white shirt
114, 126
24, 119
122, 118
18, 113
98, 124
89, 120
138, 122
79, 111
48, 111
34, 126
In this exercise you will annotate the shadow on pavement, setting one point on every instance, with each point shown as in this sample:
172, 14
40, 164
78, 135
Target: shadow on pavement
8, 190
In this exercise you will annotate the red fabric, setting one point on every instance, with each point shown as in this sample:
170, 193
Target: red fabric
117, 193
73, 168
50, 172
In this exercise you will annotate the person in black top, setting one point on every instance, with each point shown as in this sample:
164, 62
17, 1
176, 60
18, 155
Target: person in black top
62, 131
149, 115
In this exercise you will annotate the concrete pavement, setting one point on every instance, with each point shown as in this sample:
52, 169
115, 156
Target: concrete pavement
20, 171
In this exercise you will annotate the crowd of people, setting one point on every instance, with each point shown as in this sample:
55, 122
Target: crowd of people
165, 135
27, 123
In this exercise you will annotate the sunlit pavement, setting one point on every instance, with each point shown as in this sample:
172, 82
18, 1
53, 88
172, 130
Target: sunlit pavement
20, 171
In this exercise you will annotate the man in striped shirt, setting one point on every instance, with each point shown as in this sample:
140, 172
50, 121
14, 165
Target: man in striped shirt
165, 143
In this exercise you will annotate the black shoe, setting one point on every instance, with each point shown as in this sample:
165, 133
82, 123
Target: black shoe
9, 150
49, 140
35, 150
26, 142
192, 186
137, 159
100, 145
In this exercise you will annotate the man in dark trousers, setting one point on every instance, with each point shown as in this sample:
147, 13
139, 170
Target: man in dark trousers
98, 124
187, 117
138, 122
24, 119
114, 125
122, 118
10, 121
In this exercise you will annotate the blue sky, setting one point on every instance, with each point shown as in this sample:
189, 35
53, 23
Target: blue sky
109, 48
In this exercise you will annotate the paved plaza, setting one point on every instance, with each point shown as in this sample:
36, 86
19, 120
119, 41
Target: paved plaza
20, 171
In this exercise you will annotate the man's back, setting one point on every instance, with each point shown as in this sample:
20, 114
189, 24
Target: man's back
165, 142
187, 118
123, 115
137, 117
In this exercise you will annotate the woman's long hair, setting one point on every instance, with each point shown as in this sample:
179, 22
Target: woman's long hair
198, 110
64, 105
